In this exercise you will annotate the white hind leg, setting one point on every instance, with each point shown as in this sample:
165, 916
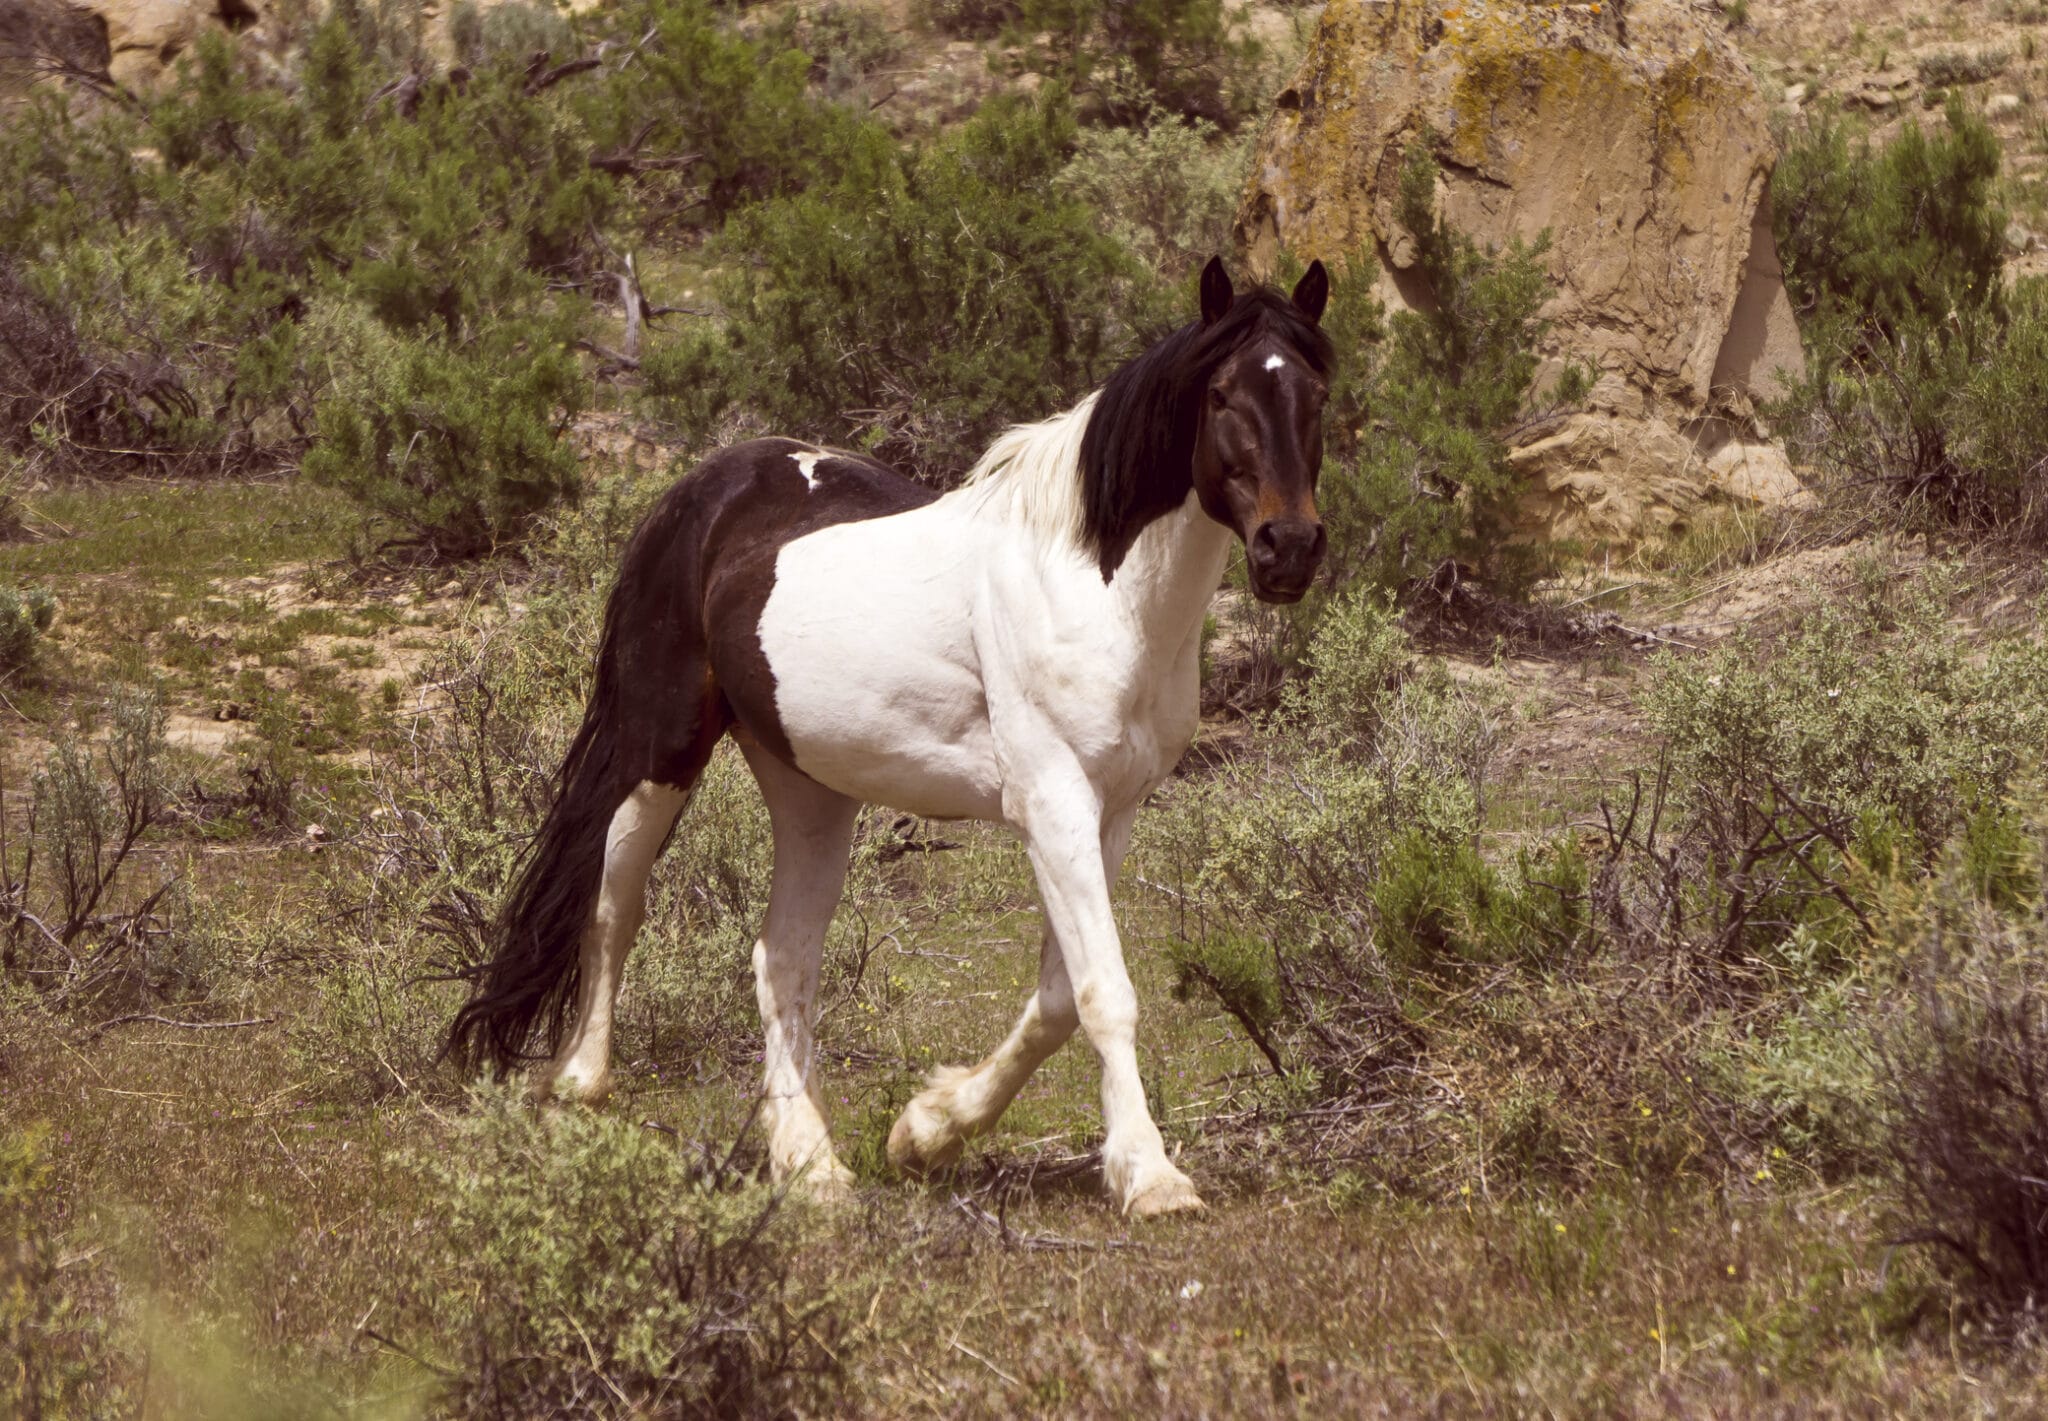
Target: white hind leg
582, 1069
813, 836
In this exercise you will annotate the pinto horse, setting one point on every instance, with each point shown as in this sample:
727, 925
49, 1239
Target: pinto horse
1024, 649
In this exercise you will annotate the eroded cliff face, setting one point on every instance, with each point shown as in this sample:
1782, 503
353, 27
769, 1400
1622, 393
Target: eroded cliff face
1634, 135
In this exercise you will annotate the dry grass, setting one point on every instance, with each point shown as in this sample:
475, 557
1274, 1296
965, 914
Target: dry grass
233, 1226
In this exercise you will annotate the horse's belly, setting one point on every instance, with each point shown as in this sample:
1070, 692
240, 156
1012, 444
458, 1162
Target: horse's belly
875, 679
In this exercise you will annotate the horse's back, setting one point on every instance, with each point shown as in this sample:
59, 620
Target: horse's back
766, 492
709, 551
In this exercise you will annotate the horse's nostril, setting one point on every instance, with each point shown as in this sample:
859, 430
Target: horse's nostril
1265, 544
1321, 544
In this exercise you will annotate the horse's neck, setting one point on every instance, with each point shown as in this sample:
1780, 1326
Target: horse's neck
1169, 577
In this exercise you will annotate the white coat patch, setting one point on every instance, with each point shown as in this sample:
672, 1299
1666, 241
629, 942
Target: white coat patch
807, 463
1274, 362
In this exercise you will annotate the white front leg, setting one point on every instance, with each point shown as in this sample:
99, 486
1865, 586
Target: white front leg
1072, 850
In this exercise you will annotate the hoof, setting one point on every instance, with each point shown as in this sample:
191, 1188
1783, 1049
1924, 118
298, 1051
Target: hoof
925, 1139
1170, 1194
567, 1089
829, 1185
920, 1145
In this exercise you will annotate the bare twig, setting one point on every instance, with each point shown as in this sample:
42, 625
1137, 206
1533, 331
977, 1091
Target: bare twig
152, 1017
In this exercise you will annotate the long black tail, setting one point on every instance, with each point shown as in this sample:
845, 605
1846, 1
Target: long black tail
647, 720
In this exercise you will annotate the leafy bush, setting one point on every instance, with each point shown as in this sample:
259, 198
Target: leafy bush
1192, 57
1966, 1084
706, 120
1924, 376
689, 381
1944, 69
506, 33
1877, 237
24, 616
1446, 904
579, 1256
70, 925
920, 302
968, 19
1868, 715
1165, 188
1807, 785
846, 43
53, 1344
1417, 475
459, 444
1291, 853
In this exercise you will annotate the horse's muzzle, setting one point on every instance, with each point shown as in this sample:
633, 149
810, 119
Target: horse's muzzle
1284, 554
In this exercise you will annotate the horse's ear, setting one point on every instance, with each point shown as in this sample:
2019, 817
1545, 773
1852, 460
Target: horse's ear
1312, 292
1216, 292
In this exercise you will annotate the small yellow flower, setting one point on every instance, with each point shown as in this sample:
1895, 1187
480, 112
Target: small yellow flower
1762, 1175
1647, 1112
1466, 1191
1731, 1270
1655, 1336
1558, 1227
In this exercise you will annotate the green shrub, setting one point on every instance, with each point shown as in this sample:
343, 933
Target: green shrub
1192, 57
1922, 378
1812, 1074
458, 444
2000, 417
1443, 904
578, 1255
727, 120
920, 302
1876, 237
1279, 859
52, 1341
1868, 714
1965, 1088
688, 382
1949, 67
24, 616
506, 33
75, 925
846, 43
1417, 472
967, 19
1357, 663
1165, 188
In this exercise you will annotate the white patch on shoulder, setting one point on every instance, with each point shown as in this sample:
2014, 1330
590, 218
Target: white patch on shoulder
1274, 362
807, 463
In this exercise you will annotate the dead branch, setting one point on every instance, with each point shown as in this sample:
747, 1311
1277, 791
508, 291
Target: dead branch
626, 160
547, 79
611, 357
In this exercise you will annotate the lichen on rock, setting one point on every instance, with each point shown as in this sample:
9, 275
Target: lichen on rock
1635, 135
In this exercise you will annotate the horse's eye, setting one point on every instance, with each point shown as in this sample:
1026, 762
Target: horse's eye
1217, 399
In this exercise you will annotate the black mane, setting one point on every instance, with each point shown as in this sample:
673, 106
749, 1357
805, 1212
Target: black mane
1137, 454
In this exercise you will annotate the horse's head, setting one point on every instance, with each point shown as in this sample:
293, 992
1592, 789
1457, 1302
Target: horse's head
1260, 445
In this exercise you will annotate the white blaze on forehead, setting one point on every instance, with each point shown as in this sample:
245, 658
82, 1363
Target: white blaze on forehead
1274, 362
807, 463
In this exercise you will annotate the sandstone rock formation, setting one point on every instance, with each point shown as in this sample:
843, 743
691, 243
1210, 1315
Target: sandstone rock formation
133, 43
1633, 133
